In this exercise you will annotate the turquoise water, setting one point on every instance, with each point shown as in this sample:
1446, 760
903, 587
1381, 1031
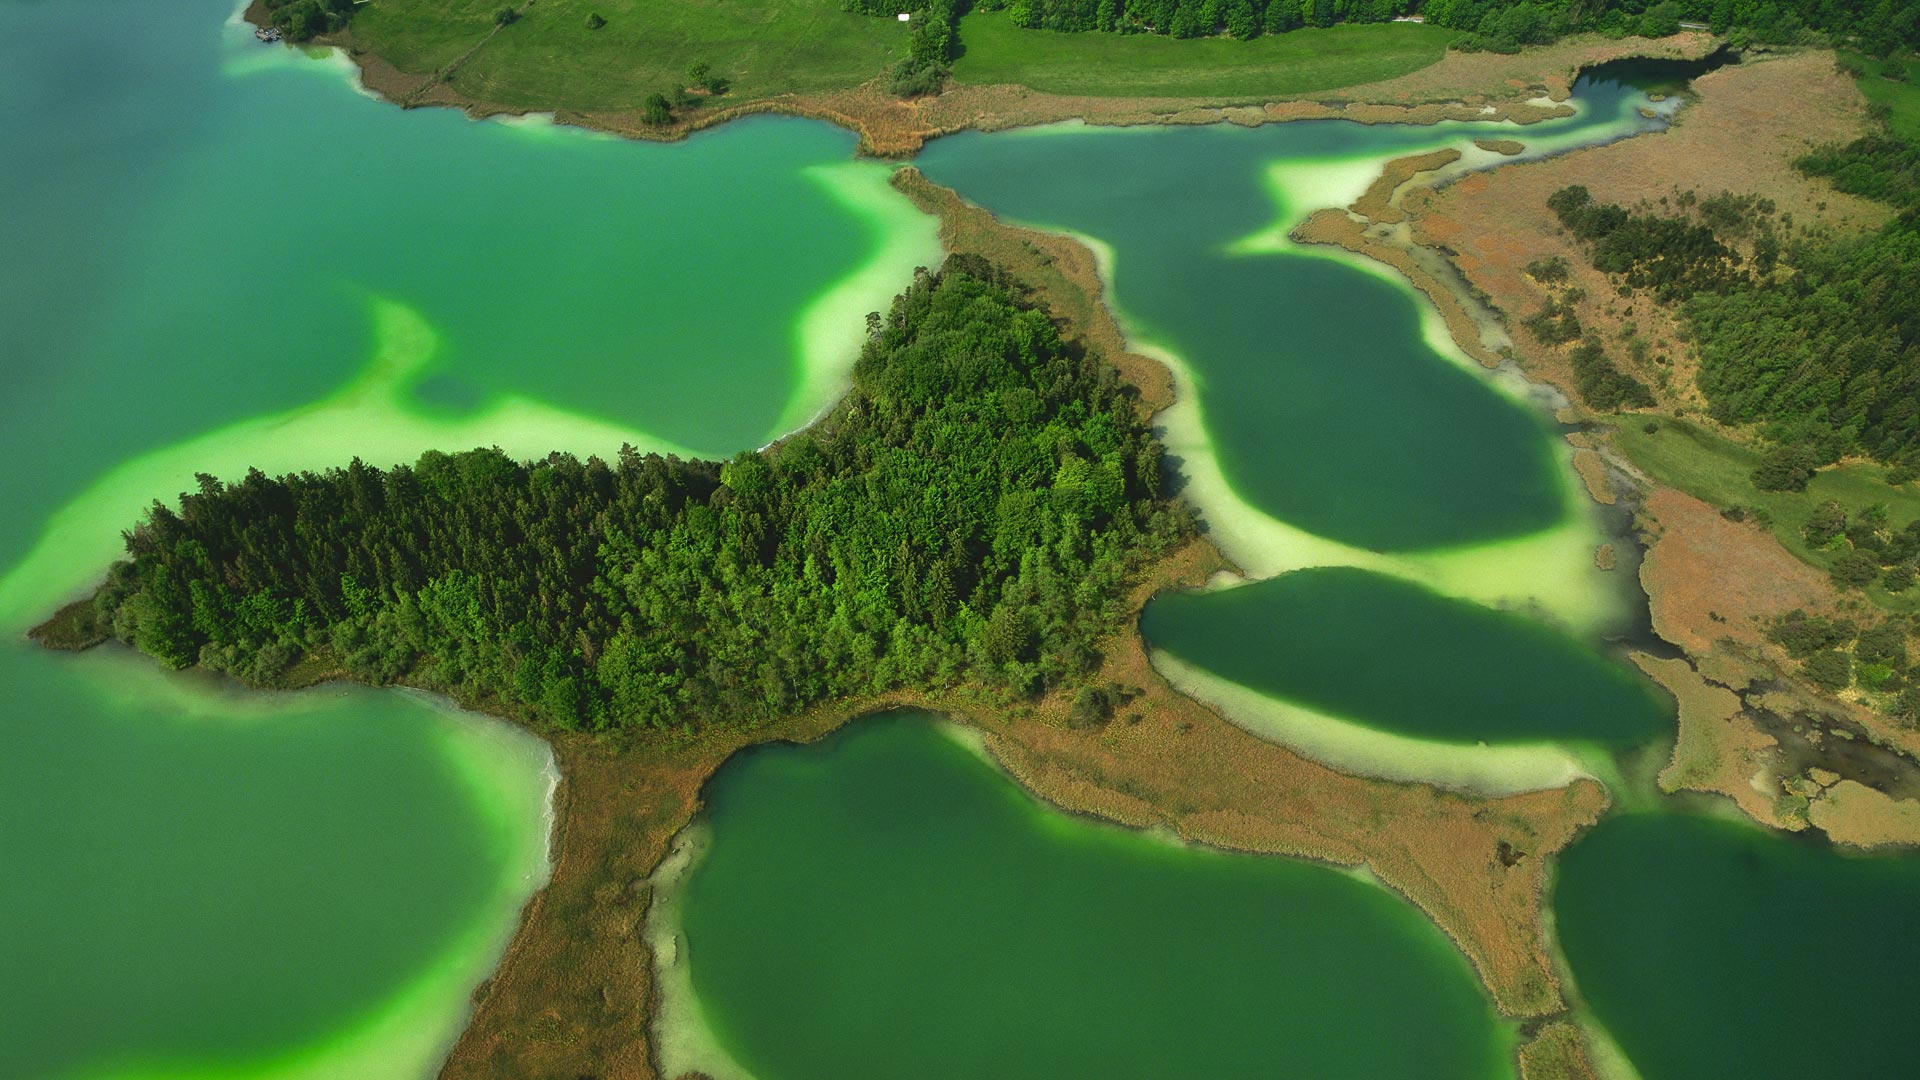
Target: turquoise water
885, 904
217, 255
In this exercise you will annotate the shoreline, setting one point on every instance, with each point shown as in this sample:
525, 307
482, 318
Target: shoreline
1050, 761
1486, 89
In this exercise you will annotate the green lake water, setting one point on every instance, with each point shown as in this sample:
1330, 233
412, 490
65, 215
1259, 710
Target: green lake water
217, 255
206, 882
1393, 655
1709, 948
943, 924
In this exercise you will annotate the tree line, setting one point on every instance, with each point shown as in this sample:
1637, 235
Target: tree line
1880, 27
302, 20
972, 512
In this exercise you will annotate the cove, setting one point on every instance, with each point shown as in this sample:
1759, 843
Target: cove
1708, 948
207, 882
886, 903
1322, 399
196, 222
1398, 657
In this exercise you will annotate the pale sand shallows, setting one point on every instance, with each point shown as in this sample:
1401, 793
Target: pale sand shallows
1356, 748
368, 418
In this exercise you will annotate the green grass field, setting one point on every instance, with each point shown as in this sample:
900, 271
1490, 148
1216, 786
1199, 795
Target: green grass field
1149, 65
1902, 97
1716, 471
550, 60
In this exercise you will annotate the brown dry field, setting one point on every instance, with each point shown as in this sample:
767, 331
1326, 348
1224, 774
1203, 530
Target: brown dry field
573, 995
1718, 750
1556, 1052
1709, 579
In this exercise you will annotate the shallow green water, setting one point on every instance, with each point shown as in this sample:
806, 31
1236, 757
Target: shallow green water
885, 904
202, 881
1395, 656
196, 222
1708, 949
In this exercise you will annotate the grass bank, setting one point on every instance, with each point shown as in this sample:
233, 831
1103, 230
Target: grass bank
1890, 82
1153, 65
1717, 470
548, 58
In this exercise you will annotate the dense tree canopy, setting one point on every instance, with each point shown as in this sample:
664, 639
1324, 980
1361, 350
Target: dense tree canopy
301, 20
1504, 25
971, 512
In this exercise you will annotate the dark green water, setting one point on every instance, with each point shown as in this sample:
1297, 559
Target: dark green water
1395, 656
1711, 949
942, 924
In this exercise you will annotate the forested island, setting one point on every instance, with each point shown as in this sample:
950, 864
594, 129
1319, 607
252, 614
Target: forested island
973, 511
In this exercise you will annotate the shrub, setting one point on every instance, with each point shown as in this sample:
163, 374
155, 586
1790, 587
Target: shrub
505, 16
1829, 670
1784, 468
1826, 524
1885, 643
657, 111
1855, 570
594, 21
1802, 634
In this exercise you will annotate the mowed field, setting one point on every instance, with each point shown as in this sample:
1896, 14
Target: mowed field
1898, 94
549, 59
1150, 65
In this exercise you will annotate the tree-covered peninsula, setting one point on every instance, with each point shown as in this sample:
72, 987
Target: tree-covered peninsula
972, 512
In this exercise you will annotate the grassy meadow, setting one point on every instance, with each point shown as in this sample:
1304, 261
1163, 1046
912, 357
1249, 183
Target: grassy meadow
1899, 94
548, 59
1716, 470
1150, 65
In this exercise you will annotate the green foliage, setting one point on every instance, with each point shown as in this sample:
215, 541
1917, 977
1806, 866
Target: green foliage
505, 16
595, 20
1603, 385
1802, 634
1785, 468
973, 511
1826, 525
657, 110
1877, 167
302, 20
1674, 257
1829, 670
1550, 271
1554, 324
